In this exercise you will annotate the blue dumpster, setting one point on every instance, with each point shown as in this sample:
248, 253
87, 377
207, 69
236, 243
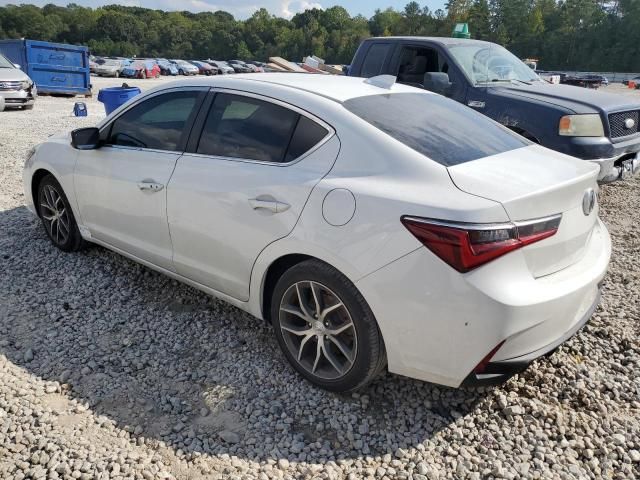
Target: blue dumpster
54, 67
115, 96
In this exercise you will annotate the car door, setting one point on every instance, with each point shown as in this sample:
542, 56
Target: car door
121, 186
242, 185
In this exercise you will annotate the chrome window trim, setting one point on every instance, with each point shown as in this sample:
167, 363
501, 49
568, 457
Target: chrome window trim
483, 226
330, 130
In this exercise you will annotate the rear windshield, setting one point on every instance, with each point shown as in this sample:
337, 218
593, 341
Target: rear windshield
443, 130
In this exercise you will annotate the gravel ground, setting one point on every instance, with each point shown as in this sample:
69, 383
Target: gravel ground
110, 370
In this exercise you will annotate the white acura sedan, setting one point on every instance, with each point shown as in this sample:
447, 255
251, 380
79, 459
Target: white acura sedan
373, 224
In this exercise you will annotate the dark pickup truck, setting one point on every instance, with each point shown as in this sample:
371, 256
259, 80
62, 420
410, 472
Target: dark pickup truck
592, 125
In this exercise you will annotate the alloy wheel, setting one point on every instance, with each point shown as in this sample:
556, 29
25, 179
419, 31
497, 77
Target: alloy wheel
55, 215
318, 330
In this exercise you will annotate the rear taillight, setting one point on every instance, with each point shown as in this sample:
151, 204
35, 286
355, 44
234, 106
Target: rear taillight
466, 246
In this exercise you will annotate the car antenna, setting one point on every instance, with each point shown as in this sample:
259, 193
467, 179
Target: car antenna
382, 81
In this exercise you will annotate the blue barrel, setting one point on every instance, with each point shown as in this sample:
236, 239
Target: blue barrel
115, 96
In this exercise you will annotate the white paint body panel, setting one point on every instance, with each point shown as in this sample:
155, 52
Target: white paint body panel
437, 324
113, 207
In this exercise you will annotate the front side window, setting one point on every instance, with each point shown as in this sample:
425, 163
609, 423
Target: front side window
157, 123
439, 128
248, 128
415, 62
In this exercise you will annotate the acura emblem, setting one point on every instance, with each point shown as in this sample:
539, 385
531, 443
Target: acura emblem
588, 201
629, 123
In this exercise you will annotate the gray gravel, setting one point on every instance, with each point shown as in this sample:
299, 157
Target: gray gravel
110, 370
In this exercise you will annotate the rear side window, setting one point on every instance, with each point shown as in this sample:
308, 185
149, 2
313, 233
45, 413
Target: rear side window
157, 123
306, 136
253, 129
374, 60
443, 130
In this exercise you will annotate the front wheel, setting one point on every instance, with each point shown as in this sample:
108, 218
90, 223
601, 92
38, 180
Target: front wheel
325, 328
56, 215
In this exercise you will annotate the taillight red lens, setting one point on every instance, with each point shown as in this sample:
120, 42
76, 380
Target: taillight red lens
465, 246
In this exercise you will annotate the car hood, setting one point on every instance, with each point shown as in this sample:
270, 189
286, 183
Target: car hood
12, 74
575, 99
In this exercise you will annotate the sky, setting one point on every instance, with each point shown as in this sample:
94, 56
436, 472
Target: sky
244, 8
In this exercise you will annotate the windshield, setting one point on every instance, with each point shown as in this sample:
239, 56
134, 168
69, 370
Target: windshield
443, 130
5, 63
485, 63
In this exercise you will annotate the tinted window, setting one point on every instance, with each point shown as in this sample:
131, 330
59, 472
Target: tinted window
306, 136
415, 62
244, 127
157, 123
441, 129
375, 59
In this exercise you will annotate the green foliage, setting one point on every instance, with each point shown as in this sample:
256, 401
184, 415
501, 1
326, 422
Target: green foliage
564, 34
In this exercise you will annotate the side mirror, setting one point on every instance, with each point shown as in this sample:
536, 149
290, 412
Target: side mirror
85, 138
437, 82
17, 65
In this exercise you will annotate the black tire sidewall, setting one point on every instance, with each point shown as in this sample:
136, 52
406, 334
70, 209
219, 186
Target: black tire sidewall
370, 351
74, 241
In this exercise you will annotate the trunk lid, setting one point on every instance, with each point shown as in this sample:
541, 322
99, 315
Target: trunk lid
535, 182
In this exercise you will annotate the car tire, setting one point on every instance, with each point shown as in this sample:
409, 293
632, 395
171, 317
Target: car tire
57, 217
117, 75
325, 328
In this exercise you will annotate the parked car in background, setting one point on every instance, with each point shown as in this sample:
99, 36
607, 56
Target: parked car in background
166, 67
17, 90
260, 66
635, 80
205, 68
318, 203
111, 67
223, 67
239, 66
596, 126
186, 68
141, 69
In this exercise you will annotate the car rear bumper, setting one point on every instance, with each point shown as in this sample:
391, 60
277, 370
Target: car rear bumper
500, 371
438, 325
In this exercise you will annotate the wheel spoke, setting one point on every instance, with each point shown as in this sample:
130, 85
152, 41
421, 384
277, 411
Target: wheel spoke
328, 354
301, 302
295, 330
64, 223
47, 199
48, 207
341, 346
330, 309
318, 355
339, 330
48, 218
294, 311
57, 231
315, 298
302, 345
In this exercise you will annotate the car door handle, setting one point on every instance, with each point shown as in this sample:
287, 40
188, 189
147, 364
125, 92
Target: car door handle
150, 186
271, 205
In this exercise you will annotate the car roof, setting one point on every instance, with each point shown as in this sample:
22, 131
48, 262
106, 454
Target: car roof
339, 88
448, 41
